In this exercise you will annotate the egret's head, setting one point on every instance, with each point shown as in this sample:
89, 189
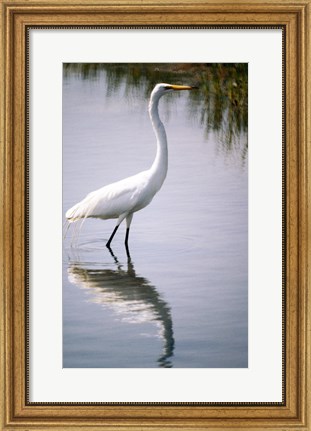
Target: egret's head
163, 88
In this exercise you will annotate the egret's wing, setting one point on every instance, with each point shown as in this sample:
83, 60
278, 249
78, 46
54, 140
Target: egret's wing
109, 201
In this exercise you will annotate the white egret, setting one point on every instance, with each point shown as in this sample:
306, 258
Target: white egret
120, 200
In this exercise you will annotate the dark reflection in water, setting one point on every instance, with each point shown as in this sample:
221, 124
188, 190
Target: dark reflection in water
130, 296
221, 105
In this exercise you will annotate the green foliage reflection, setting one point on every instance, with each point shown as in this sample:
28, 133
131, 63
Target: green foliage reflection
221, 104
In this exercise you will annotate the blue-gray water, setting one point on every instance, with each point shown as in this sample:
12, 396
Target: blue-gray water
181, 300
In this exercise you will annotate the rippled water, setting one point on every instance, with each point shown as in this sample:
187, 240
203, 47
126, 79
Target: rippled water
180, 300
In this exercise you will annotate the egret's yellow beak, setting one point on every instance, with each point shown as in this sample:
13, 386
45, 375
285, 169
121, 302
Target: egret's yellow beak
182, 87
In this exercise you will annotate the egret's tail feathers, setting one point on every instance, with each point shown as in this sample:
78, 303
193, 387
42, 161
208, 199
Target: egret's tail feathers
73, 214
66, 226
76, 233
82, 210
77, 215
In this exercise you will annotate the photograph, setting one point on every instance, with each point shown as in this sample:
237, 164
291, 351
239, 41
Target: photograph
155, 215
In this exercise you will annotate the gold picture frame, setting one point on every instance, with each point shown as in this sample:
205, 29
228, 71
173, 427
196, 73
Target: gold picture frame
294, 412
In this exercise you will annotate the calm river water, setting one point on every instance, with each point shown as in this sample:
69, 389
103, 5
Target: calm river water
182, 298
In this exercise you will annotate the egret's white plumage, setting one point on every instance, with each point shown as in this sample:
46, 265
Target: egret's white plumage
121, 199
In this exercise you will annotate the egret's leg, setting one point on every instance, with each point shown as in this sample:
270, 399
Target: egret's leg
127, 236
128, 224
112, 235
120, 220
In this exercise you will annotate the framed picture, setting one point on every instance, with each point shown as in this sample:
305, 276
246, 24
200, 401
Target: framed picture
155, 237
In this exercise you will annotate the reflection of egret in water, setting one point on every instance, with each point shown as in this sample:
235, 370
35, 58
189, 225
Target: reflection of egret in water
130, 296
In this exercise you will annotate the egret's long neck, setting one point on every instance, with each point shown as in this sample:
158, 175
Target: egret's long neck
159, 166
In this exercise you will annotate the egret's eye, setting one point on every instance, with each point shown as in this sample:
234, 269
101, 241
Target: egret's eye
167, 87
